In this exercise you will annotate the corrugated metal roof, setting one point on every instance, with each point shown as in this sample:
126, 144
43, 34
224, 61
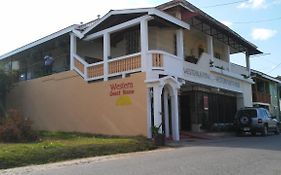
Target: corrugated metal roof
252, 49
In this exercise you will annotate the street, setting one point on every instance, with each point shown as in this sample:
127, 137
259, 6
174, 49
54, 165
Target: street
234, 155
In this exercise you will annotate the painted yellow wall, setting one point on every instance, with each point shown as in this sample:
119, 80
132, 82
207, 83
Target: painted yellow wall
65, 102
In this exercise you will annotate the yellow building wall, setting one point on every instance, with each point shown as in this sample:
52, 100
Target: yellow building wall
65, 102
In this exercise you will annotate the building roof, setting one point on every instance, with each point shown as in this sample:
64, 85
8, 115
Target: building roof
213, 23
85, 29
40, 41
263, 75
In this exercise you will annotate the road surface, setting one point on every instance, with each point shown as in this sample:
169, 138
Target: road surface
229, 156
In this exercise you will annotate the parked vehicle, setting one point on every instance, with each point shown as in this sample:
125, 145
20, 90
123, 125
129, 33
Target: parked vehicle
255, 120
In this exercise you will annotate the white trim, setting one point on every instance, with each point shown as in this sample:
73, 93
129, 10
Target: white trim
106, 54
124, 57
210, 46
80, 73
78, 33
165, 53
40, 41
118, 27
148, 110
150, 11
170, 18
80, 59
144, 43
180, 44
73, 49
174, 5
94, 64
116, 12
230, 74
124, 72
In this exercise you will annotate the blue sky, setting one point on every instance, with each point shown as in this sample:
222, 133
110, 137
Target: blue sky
266, 35
30, 20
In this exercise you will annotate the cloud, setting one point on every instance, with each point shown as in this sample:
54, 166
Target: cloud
263, 34
254, 4
37, 19
227, 23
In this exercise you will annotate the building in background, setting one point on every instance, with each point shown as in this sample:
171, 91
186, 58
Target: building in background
132, 69
266, 92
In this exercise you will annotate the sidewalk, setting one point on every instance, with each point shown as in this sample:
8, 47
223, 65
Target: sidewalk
194, 138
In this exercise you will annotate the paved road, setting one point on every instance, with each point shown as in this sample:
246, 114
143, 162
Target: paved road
230, 156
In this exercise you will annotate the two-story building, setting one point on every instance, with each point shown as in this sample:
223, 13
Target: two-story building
266, 92
133, 69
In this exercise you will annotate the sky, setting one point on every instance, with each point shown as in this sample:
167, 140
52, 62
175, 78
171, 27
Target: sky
258, 21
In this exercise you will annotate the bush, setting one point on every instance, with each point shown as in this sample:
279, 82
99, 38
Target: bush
16, 128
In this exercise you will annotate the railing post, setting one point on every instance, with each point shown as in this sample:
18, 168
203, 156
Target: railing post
210, 46
144, 43
106, 54
73, 50
228, 57
86, 72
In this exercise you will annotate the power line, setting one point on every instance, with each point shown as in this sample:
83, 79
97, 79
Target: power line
258, 21
225, 4
274, 68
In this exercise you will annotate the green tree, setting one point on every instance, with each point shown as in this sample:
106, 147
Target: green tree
6, 82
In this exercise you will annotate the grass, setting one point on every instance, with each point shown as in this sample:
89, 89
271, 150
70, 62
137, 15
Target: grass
59, 146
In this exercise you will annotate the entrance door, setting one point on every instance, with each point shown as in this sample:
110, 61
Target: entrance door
185, 106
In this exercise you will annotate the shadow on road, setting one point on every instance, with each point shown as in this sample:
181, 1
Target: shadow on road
270, 142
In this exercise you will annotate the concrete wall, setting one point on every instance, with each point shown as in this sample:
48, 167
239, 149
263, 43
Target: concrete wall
65, 102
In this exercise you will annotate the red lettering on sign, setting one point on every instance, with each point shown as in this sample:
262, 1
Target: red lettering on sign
117, 89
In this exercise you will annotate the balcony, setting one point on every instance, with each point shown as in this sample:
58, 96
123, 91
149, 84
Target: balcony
261, 97
156, 61
114, 67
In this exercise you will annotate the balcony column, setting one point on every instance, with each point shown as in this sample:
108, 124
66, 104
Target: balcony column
227, 54
157, 106
106, 54
210, 46
73, 49
248, 64
144, 44
180, 44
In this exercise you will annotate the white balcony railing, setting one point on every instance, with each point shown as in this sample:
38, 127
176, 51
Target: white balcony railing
116, 66
155, 61
221, 64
